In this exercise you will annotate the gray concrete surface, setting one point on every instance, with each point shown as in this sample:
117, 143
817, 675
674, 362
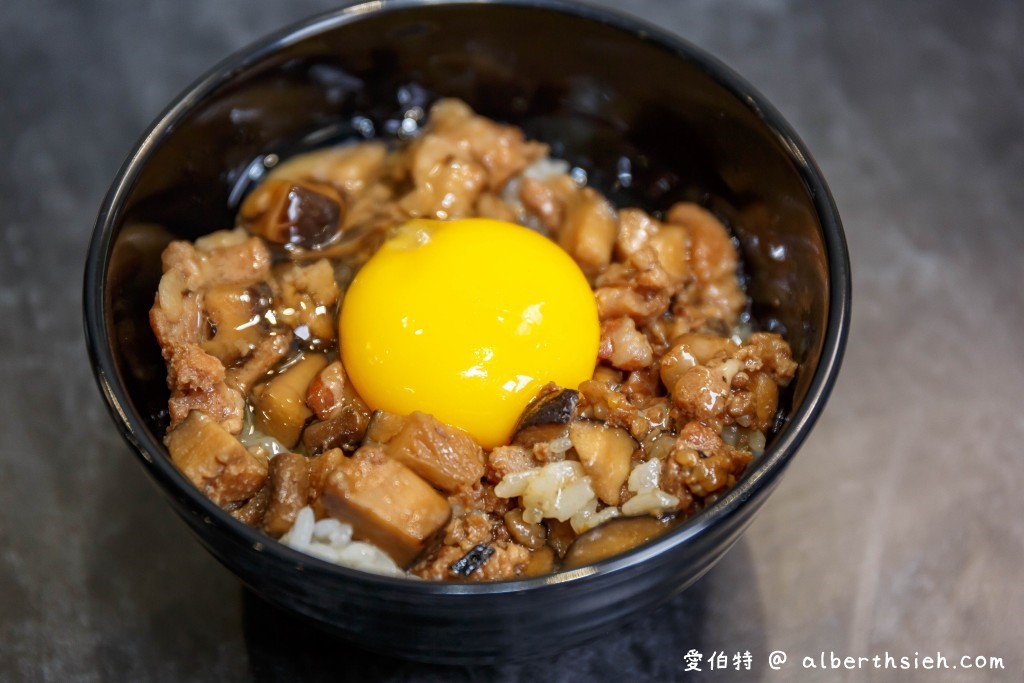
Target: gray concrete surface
899, 529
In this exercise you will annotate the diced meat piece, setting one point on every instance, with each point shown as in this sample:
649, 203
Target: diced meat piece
755, 405
705, 348
456, 132
765, 393
445, 456
672, 245
641, 290
505, 460
642, 385
350, 169
703, 474
588, 231
661, 332
289, 492
281, 410
195, 377
699, 437
492, 206
552, 449
247, 263
476, 546
636, 228
242, 263
580, 219
214, 460
331, 391
306, 300
320, 469
450, 191
501, 149
713, 261
508, 561
691, 349
601, 402
547, 199
701, 394
470, 529
713, 255
219, 401
639, 232
673, 482
617, 301
385, 502
769, 352
220, 239
480, 496
369, 216
605, 453
624, 346
383, 427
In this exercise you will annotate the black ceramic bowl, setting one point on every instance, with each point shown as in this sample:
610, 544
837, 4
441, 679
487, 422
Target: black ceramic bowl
652, 119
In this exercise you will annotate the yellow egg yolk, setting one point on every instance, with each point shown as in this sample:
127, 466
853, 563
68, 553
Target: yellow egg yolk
466, 320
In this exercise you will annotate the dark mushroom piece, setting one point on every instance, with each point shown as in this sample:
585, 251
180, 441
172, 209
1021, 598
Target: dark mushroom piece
294, 213
289, 492
343, 416
542, 561
251, 512
344, 430
547, 417
611, 538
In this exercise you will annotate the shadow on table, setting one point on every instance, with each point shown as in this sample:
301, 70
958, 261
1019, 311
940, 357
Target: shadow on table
720, 613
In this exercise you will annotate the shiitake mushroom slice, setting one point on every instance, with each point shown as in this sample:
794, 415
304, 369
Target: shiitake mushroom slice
611, 538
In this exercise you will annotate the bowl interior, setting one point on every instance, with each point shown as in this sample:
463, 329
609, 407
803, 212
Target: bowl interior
650, 120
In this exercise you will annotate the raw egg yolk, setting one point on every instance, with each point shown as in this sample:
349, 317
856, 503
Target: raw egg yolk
466, 320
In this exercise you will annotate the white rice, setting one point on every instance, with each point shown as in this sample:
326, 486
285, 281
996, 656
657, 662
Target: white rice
589, 516
331, 540
557, 490
649, 499
561, 490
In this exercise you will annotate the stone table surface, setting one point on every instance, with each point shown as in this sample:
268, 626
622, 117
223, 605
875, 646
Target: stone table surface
899, 528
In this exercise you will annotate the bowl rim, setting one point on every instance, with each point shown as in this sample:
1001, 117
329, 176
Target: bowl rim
764, 472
